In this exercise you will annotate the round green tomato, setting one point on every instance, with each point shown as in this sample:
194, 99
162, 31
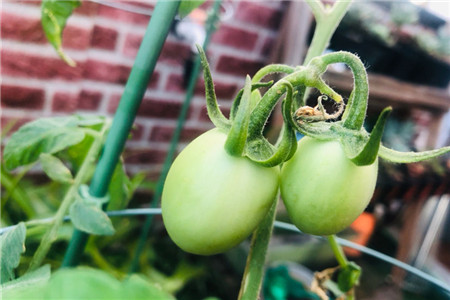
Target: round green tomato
323, 191
212, 201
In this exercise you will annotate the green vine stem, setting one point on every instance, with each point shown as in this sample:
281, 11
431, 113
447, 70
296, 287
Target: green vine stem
253, 273
327, 20
52, 231
337, 250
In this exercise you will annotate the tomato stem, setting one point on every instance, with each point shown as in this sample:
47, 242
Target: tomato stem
254, 269
337, 250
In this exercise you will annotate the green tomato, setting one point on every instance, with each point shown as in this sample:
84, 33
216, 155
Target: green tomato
212, 201
324, 191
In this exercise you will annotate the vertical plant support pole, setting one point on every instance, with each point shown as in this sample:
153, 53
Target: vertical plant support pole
210, 28
144, 65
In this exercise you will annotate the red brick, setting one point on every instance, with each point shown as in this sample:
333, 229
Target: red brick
223, 90
64, 102
144, 156
34, 66
172, 53
238, 66
156, 108
132, 43
122, 15
164, 134
107, 72
137, 131
140, 4
104, 38
175, 53
88, 8
76, 38
89, 100
235, 37
20, 28
253, 13
269, 43
22, 97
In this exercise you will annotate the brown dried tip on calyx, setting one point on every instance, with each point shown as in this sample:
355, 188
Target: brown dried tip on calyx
317, 113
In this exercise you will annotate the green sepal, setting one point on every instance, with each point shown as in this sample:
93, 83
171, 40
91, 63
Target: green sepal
254, 100
187, 6
237, 136
288, 144
370, 151
215, 114
410, 157
348, 276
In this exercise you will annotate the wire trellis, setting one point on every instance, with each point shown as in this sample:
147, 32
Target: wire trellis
277, 224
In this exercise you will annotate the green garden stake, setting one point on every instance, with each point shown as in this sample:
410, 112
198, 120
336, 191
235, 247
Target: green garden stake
145, 62
210, 28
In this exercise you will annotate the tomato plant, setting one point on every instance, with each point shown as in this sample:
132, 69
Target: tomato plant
223, 186
323, 190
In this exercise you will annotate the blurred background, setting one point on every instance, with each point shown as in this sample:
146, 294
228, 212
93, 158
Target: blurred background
406, 49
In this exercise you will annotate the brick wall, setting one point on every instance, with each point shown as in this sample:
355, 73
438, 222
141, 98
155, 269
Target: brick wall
104, 40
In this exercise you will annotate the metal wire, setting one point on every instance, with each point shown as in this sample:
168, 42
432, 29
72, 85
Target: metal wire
277, 224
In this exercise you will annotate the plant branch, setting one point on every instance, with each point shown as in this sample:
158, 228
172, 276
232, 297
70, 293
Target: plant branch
51, 233
253, 274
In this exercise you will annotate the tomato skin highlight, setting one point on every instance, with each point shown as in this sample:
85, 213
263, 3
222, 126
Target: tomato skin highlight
212, 201
323, 191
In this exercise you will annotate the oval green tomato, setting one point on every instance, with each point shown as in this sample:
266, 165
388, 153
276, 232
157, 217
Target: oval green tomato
323, 191
212, 201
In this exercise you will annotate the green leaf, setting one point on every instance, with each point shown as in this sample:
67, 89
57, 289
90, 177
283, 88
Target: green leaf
87, 215
54, 15
30, 279
237, 136
12, 245
47, 135
82, 283
136, 287
87, 283
55, 169
410, 157
186, 6
369, 153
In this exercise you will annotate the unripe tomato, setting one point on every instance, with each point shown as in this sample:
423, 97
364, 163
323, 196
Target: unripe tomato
211, 200
324, 191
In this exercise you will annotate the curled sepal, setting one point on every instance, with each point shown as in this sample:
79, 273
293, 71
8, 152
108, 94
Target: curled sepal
370, 151
237, 136
214, 112
288, 143
410, 157
256, 96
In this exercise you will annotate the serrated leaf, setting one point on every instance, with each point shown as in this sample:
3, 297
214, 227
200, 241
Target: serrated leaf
54, 15
12, 245
46, 135
186, 6
87, 215
55, 169
30, 279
